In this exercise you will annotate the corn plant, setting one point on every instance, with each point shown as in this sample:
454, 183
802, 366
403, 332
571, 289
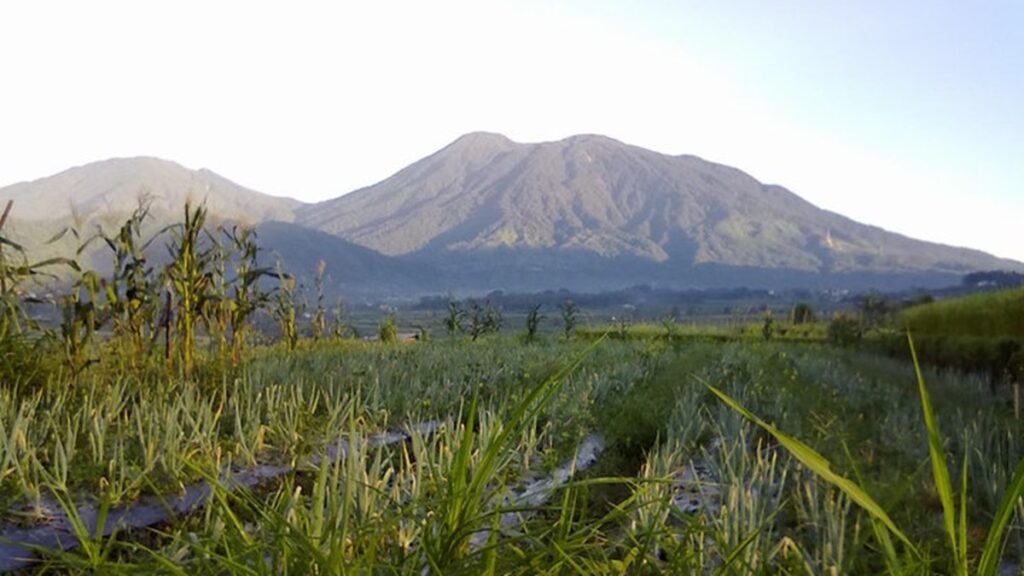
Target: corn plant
319, 312
216, 309
82, 314
132, 293
669, 323
190, 277
456, 315
285, 309
388, 331
14, 272
492, 318
246, 295
533, 320
339, 328
570, 316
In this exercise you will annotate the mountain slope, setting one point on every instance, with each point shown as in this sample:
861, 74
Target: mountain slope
351, 270
589, 196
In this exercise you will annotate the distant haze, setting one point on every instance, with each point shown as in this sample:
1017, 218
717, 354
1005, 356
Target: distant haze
906, 115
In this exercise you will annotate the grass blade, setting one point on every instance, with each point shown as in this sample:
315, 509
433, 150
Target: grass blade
940, 471
820, 466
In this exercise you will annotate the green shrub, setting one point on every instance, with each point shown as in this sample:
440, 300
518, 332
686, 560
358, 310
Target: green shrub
388, 331
844, 330
803, 313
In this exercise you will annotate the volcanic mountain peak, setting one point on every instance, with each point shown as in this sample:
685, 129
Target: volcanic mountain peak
590, 194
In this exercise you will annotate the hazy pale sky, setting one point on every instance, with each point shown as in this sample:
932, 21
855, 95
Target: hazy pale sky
907, 115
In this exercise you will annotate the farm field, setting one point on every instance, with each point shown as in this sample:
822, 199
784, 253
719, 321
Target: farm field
154, 424
680, 482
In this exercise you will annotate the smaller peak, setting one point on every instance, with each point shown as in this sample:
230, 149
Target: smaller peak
481, 137
586, 141
589, 138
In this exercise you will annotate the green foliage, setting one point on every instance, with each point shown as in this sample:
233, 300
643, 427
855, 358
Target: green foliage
456, 315
874, 310
285, 309
246, 295
190, 274
803, 313
954, 524
388, 330
991, 315
570, 317
440, 501
319, 319
132, 290
483, 319
669, 323
533, 320
768, 328
844, 330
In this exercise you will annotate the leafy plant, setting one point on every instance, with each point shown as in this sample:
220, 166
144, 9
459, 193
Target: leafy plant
285, 309
533, 320
456, 315
768, 328
246, 295
669, 323
132, 290
844, 330
570, 316
492, 319
190, 276
388, 330
803, 313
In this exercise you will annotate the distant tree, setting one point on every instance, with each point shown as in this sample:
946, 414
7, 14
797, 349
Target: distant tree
533, 318
994, 279
476, 320
803, 313
873, 310
456, 314
492, 318
844, 330
570, 314
668, 322
768, 329
388, 330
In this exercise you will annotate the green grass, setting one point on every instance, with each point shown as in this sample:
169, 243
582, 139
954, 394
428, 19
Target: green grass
512, 412
990, 315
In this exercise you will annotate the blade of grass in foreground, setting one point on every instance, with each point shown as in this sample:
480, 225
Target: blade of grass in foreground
940, 471
820, 466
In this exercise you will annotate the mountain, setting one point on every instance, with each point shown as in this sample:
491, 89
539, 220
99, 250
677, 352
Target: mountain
104, 193
587, 213
116, 185
591, 211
